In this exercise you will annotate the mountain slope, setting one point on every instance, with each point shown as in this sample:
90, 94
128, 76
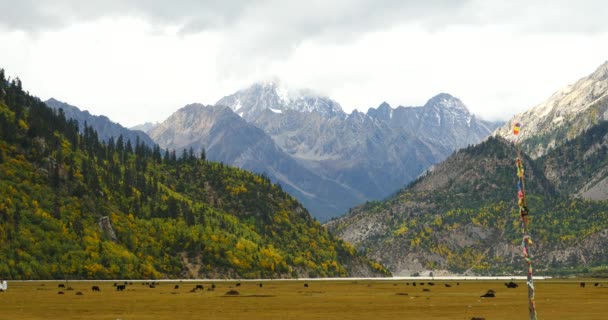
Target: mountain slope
565, 115
358, 152
72, 206
105, 127
462, 218
228, 138
580, 166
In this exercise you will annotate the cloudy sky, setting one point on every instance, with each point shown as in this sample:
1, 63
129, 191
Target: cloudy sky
138, 61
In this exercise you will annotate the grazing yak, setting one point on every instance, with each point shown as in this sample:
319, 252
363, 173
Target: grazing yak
489, 294
95, 288
511, 285
121, 287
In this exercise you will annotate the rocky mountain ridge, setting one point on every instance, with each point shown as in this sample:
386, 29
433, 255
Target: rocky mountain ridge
563, 116
105, 128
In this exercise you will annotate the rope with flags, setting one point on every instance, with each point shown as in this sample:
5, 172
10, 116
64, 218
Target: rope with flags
524, 216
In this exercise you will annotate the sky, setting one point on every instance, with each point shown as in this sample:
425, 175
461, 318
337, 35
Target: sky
139, 61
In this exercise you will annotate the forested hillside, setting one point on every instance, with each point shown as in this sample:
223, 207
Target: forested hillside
74, 206
462, 216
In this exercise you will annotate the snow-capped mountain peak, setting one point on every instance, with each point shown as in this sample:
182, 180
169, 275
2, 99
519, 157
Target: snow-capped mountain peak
275, 96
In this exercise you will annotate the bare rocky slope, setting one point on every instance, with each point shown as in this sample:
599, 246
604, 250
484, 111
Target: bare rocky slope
563, 116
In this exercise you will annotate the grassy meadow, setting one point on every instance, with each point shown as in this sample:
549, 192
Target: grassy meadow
276, 299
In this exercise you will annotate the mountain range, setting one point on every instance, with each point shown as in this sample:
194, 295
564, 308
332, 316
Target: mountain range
461, 216
329, 160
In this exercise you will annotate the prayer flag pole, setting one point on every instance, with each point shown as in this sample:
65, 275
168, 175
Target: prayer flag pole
524, 215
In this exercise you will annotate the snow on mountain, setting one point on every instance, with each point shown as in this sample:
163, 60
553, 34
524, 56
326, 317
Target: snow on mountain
251, 102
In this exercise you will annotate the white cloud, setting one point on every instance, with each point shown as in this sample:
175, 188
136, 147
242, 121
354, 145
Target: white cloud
140, 60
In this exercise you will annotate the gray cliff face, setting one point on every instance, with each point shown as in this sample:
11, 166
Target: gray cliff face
105, 127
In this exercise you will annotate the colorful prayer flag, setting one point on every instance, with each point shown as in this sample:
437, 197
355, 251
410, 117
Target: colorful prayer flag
516, 128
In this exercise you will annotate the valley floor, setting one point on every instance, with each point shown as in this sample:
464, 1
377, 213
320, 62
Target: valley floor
303, 299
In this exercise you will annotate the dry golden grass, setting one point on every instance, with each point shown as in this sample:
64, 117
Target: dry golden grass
291, 300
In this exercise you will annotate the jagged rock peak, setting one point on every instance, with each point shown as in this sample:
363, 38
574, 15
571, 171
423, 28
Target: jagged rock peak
356, 114
384, 106
447, 101
383, 112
